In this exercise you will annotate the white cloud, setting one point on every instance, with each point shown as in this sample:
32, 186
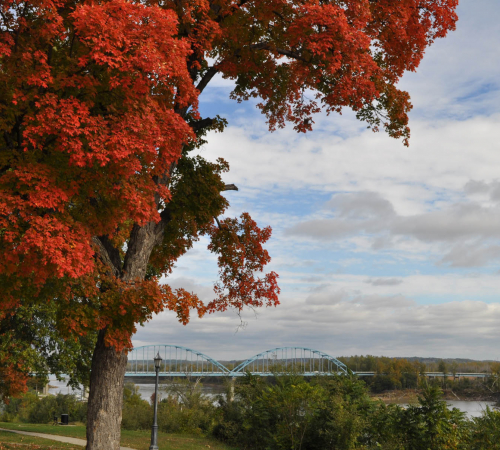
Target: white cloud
385, 281
393, 325
321, 296
383, 239
471, 229
471, 255
442, 158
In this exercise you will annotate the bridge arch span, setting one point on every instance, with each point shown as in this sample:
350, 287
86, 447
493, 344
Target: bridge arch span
176, 361
179, 361
306, 361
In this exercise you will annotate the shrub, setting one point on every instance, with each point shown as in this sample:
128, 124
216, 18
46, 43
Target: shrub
292, 413
186, 408
29, 408
485, 431
137, 414
429, 425
46, 408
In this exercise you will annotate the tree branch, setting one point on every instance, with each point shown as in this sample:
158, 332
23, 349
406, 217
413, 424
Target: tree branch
281, 51
140, 245
203, 123
113, 252
209, 74
105, 257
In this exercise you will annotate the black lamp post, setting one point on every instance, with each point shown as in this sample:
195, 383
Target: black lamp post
154, 430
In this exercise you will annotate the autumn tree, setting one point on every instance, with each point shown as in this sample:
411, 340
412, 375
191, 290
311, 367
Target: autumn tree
100, 192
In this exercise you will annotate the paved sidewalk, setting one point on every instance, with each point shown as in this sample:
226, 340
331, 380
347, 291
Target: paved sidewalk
55, 437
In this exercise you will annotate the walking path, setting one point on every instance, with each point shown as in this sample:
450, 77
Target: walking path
55, 437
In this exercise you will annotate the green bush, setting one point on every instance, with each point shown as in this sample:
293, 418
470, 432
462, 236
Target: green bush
485, 431
46, 408
137, 414
429, 425
17, 406
292, 413
184, 410
30, 408
380, 383
176, 417
335, 413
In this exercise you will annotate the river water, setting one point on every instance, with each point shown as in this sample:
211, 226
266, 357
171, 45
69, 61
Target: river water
472, 408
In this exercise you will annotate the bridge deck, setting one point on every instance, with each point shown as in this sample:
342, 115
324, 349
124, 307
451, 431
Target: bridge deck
178, 361
306, 374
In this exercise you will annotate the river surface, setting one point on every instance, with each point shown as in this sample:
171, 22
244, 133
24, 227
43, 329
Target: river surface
472, 408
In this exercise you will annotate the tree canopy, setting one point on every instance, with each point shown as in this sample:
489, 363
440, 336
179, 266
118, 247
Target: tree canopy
100, 191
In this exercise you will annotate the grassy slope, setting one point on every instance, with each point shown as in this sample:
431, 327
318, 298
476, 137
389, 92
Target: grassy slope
139, 440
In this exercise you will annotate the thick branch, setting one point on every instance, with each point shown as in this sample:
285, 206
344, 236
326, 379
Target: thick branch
281, 51
209, 74
203, 123
113, 252
141, 243
105, 257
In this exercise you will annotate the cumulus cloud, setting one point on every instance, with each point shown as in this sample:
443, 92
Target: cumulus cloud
385, 281
361, 205
322, 296
387, 250
377, 302
481, 187
476, 187
324, 229
467, 255
363, 324
469, 227
205, 293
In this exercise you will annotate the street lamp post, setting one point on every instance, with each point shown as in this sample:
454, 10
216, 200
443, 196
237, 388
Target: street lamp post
154, 429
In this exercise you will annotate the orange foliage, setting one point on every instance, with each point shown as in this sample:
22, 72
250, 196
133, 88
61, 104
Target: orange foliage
98, 109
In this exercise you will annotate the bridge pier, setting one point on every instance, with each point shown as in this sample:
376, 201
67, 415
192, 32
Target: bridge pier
231, 389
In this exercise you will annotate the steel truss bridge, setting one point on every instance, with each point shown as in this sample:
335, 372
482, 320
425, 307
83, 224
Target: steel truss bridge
180, 361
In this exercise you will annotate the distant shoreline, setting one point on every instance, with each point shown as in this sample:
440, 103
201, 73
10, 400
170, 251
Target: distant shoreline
410, 396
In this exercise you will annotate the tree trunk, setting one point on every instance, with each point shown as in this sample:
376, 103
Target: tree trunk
104, 414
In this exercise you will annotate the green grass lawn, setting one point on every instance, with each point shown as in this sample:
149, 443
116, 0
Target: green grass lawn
139, 440
10, 441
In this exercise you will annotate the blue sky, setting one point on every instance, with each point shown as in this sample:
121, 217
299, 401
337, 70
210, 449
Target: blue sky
381, 249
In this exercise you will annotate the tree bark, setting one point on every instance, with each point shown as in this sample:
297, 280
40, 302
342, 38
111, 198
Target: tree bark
104, 414
141, 243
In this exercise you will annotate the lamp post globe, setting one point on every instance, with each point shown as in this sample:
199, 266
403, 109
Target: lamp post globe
157, 361
154, 429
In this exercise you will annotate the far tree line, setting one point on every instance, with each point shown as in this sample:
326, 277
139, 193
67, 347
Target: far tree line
384, 364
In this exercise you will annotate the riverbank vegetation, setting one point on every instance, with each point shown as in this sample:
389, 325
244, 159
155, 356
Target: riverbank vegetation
289, 412
396, 374
338, 413
370, 363
389, 376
